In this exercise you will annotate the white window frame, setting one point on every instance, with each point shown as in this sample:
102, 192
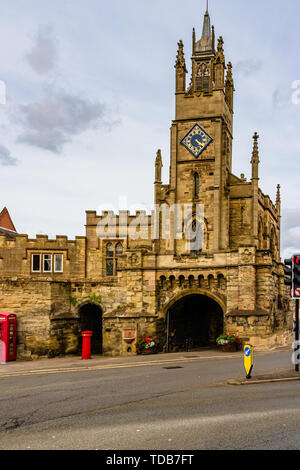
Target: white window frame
44, 270
62, 262
40, 256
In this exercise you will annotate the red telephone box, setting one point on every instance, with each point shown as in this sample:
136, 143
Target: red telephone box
8, 337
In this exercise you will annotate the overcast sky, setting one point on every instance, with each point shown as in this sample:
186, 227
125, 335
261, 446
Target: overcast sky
90, 99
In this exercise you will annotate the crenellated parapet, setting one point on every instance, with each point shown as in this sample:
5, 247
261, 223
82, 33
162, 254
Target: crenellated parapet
42, 257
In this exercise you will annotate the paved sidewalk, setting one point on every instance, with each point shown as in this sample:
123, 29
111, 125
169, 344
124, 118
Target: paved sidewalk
288, 375
74, 363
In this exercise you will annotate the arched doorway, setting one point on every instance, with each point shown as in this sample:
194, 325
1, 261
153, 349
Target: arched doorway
90, 319
194, 321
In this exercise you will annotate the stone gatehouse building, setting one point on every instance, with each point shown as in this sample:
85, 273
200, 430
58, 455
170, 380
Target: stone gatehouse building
122, 286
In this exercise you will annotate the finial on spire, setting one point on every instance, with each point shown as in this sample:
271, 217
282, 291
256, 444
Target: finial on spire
206, 30
278, 198
158, 167
180, 60
158, 157
255, 157
220, 58
255, 153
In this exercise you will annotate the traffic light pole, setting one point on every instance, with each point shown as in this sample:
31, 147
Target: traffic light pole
297, 334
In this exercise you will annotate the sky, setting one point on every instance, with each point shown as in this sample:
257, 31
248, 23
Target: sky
89, 90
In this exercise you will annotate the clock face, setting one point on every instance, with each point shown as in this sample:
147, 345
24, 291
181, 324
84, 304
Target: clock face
196, 140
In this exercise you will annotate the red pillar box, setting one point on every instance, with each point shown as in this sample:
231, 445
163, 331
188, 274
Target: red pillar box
8, 337
86, 344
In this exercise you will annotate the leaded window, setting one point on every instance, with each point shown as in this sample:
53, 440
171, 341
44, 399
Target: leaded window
109, 259
196, 238
47, 263
196, 185
36, 263
119, 251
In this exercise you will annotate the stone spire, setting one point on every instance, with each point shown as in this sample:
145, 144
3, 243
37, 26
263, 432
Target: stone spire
206, 30
158, 167
220, 66
255, 157
180, 60
278, 200
229, 78
181, 69
255, 179
220, 58
205, 44
229, 87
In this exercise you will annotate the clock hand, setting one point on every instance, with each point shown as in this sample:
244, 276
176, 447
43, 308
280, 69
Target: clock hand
198, 141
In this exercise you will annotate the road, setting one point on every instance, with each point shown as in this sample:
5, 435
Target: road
190, 407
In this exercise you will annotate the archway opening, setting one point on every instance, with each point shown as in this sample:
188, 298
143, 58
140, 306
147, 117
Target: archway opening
194, 322
90, 319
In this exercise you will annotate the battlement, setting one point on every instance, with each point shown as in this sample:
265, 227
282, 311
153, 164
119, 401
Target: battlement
123, 217
41, 241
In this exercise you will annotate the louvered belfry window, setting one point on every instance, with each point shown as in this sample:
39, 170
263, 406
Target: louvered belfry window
203, 78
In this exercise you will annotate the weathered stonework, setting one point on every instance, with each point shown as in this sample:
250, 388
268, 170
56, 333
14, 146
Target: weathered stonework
131, 287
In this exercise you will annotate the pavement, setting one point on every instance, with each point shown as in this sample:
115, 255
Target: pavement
75, 363
287, 375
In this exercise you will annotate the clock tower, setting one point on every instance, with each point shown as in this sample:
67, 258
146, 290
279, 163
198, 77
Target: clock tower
201, 141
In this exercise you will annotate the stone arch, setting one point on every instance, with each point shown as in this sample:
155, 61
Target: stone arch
90, 318
210, 281
221, 281
172, 281
191, 281
201, 281
193, 320
163, 282
273, 242
194, 291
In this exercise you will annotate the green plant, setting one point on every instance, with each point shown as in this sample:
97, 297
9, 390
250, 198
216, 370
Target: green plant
146, 342
227, 339
96, 299
73, 301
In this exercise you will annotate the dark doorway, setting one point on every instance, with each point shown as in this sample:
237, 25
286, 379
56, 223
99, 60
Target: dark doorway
194, 322
90, 319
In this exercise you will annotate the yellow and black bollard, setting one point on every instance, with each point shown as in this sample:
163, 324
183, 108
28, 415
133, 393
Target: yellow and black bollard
248, 359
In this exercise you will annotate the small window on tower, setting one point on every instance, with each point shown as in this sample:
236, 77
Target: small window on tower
109, 259
196, 183
36, 263
119, 251
58, 263
47, 263
203, 78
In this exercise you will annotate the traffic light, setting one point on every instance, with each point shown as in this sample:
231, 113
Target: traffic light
288, 271
296, 275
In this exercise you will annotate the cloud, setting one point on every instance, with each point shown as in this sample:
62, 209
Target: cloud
58, 117
290, 232
43, 56
5, 157
247, 67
